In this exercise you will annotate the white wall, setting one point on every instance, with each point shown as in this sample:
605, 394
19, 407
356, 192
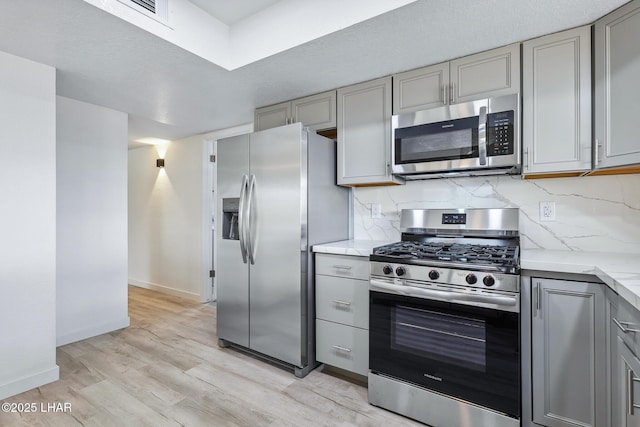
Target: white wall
27, 225
170, 215
598, 213
91, 220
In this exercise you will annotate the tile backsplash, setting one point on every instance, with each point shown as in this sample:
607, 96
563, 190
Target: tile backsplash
599, 213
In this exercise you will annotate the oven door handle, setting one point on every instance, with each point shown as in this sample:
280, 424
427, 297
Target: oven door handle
381, 286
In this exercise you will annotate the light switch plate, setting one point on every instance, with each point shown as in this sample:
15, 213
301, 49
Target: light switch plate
547, 211
376, 210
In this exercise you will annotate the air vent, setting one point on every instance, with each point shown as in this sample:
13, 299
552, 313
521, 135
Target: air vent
150, 5
156, 9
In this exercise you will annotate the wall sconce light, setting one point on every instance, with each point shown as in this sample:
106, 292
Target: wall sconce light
160, 163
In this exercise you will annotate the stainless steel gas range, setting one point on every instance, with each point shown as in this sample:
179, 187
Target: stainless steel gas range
444, 325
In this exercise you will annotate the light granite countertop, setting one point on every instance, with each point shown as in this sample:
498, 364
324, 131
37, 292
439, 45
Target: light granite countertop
621, 272
350, 247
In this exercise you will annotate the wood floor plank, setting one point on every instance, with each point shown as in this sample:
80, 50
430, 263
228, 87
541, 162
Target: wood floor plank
166, 369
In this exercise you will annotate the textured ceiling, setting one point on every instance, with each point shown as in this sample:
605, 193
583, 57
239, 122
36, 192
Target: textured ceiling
230, 12
171, 93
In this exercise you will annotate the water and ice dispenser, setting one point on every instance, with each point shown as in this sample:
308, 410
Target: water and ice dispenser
230, 209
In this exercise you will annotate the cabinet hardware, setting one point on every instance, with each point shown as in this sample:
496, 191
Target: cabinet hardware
538, 296
345, 303
339, 348
444, 94
631, 405
525, 161
452, 94
624, 326
596, 153
343, 267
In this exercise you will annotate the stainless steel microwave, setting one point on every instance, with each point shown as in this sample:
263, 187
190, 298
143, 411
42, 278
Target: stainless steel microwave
473, 138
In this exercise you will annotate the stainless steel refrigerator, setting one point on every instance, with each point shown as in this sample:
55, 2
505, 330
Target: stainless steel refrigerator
276, 197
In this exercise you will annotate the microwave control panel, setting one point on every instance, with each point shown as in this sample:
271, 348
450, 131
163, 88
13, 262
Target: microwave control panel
500, 141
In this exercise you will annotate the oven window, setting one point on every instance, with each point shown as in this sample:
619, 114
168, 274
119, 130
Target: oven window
468, 352
456, 139
448, 338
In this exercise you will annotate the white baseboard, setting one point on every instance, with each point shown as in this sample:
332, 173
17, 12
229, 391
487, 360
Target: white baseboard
166, 289
29, 382
92, 331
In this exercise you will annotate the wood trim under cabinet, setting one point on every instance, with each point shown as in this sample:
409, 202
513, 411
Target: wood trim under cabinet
615, 171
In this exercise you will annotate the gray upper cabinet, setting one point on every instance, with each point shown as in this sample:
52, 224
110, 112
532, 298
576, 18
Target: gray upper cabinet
364, 134
272, 116
568, 353
617, 88
492, 73
318, 112
486, 74
556, 102
421, 89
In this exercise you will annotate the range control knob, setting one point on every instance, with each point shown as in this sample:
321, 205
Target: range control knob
471, 278
400, 271
434, 275
387, 270
489, 281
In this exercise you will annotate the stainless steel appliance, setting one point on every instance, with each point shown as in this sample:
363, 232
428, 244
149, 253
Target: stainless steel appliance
277, 197
473, 138
444, 333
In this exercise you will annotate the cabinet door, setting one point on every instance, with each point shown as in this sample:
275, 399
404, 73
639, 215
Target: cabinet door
568, 353
626, 392
317, 112
492, 73
421, 89
364, 133
617, 87
272, 116
556, 102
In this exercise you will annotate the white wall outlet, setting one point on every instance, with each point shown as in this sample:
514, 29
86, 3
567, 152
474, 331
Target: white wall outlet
376, 210
547, 211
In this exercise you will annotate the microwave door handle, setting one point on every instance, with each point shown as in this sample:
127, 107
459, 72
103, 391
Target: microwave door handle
482, 136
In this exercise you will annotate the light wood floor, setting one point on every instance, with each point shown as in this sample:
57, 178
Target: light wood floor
167, 370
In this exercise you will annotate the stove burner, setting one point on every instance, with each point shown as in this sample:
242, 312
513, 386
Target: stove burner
455, 252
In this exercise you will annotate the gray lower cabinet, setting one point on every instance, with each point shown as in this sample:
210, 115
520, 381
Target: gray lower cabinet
364, 134
568, 346
342, 312
317, 112
617, 88
625, 366
556, 102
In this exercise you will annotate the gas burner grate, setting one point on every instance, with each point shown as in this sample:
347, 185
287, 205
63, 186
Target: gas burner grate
501, 255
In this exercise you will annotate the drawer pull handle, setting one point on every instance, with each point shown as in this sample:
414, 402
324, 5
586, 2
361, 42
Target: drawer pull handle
343, 267
339, 348
624, 326
345, 303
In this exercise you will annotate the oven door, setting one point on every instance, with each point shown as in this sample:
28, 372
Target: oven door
466, 352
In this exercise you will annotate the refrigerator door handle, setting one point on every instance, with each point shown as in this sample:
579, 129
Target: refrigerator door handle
241, 218
252, 243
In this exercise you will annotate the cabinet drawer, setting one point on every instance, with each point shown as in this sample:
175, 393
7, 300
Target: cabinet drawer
342, 346
353, 267
343, 300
